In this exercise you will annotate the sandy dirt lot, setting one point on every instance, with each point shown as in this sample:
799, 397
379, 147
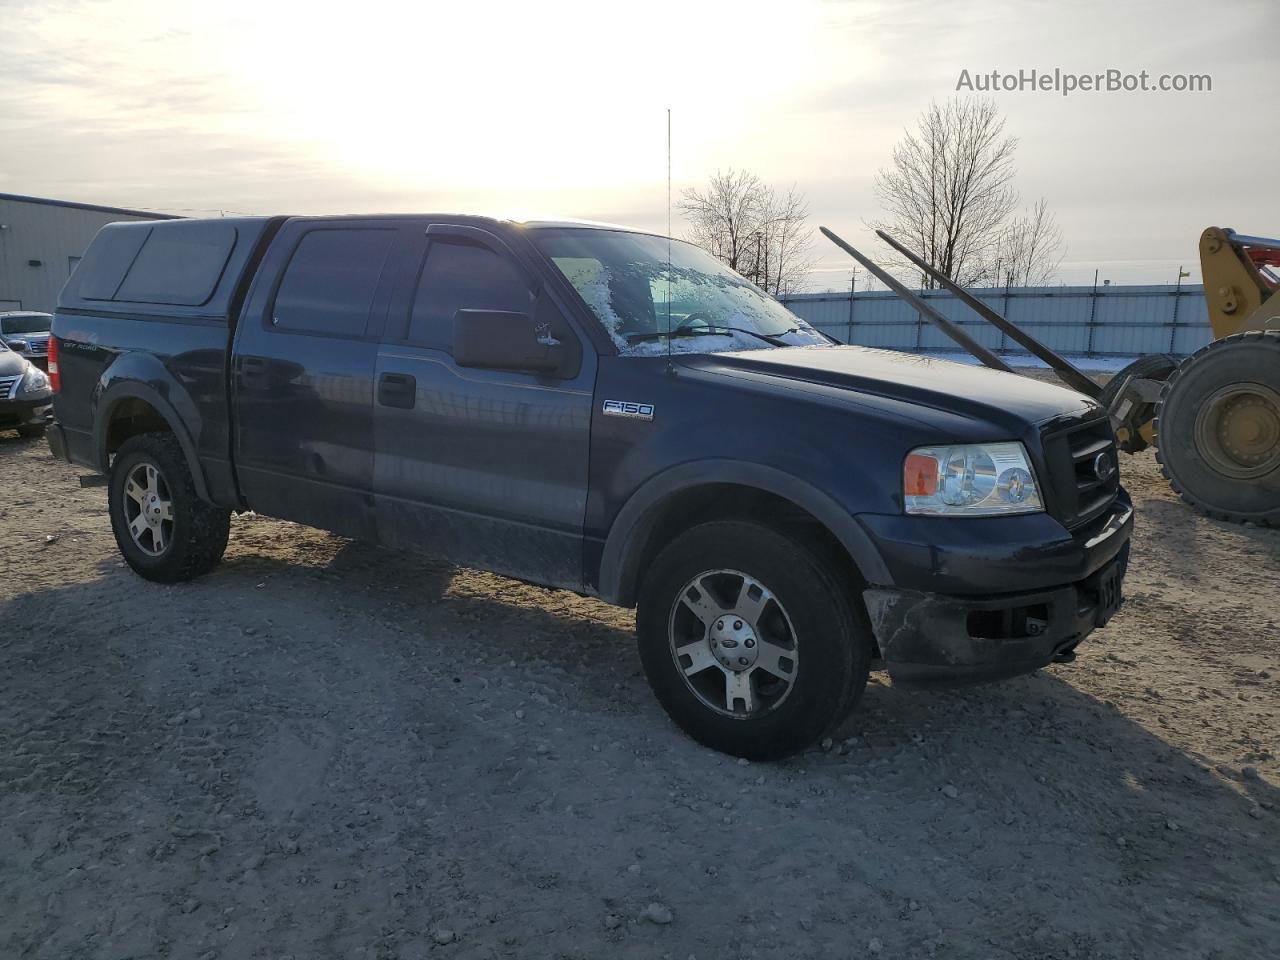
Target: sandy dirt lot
326, 750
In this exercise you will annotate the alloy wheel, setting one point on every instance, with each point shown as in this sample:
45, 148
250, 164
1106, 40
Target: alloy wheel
733, 643
148, 509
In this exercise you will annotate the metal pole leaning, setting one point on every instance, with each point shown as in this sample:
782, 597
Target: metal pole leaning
1063, 367
934, 317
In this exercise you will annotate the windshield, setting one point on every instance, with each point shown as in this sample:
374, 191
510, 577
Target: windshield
27, 323
625, 280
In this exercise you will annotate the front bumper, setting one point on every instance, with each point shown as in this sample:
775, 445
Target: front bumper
927, 637
22, 413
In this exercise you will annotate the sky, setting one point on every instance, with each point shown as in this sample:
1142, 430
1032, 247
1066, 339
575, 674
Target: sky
559, 109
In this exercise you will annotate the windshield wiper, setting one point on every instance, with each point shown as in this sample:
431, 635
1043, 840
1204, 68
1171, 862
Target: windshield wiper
680, 331
713, 331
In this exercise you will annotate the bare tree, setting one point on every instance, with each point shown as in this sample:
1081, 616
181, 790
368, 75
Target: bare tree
949, 190
752, 228
723, 218
1030, 250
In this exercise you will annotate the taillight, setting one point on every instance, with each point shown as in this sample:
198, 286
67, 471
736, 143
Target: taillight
55, 378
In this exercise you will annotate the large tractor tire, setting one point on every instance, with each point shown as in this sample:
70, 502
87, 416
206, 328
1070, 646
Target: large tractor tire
1218, 428
1135, 431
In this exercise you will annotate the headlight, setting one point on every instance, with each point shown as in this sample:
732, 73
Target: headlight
970, 480
34, 382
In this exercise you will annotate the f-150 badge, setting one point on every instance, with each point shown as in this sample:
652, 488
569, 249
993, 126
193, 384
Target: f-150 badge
625, 408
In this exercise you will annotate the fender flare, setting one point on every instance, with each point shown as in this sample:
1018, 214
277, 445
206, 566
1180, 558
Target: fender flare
112, 398
628, 536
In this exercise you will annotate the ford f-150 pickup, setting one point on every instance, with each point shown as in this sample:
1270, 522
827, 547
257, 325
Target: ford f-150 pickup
600, 410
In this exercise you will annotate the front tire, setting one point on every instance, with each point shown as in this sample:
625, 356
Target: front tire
31, 431
165, 532
752, 641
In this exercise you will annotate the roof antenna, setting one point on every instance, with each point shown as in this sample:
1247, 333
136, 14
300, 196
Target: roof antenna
670, 369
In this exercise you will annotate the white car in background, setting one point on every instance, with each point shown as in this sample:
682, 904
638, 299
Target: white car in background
26, 398
26, 333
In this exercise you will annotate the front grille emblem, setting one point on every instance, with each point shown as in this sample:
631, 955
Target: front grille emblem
1104, 466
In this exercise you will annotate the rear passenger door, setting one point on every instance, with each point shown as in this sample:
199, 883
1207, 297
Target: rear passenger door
487, 467
303, 366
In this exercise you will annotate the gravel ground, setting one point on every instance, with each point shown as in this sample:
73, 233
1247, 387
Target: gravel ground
326, 750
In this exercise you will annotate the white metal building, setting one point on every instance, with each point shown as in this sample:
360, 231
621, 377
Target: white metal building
41, 241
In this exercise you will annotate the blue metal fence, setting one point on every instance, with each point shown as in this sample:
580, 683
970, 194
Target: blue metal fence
1105, 321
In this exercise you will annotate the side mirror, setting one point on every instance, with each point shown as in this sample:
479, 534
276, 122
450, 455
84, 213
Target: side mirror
503, 340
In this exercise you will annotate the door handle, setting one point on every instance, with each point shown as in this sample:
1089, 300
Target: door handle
397, 390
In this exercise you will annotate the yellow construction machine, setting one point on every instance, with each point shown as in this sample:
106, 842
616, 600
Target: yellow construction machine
1214, 417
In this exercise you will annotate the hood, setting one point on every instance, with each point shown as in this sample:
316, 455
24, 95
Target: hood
971, 391
11, 364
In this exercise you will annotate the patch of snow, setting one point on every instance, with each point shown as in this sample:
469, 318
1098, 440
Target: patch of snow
1026, 360
711, 343
596, 292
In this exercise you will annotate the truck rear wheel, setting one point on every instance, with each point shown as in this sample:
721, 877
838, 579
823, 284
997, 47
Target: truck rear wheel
1218, 428
751, 640
165, 532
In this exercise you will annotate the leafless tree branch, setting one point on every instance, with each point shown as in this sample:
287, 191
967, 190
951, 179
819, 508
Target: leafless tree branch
752, 228
949, 189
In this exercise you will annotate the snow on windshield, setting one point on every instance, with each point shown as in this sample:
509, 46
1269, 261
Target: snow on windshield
640, 287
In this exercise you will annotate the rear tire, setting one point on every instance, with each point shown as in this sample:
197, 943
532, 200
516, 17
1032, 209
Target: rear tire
1218, 428
791, 653
165, 532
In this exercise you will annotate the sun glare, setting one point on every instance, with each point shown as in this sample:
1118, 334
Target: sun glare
532, 97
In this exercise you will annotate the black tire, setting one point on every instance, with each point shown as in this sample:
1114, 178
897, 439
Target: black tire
1192, 460
31, 431
1154, 366
831, 635
199, 531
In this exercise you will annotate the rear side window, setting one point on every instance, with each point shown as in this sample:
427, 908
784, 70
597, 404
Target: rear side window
460, 276
109, 257
179, 264
330, 282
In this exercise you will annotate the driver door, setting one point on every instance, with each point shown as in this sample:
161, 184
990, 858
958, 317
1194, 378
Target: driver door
486, 467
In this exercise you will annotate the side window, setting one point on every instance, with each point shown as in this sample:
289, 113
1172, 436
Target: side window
329, 284
460, 276
180, 263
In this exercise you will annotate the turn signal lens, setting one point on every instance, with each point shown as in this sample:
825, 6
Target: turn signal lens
920, 475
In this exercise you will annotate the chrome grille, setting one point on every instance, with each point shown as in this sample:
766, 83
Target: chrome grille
1084, 472
37, 344
9, 387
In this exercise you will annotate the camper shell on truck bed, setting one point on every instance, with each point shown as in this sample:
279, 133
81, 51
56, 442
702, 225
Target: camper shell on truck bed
602, 410
194, 275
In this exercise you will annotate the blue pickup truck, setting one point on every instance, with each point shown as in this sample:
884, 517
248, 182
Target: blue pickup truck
600, 410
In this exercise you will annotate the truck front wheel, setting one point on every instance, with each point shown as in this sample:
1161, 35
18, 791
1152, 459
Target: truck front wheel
164, 530
750, 639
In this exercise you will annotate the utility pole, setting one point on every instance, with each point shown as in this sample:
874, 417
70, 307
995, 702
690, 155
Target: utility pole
1177, 294
853, 288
